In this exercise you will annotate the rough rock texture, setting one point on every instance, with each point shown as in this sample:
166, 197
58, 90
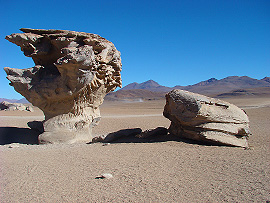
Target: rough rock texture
73, 72
202, 118
8, 106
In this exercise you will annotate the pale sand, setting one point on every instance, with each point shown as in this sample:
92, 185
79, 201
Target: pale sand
171, 171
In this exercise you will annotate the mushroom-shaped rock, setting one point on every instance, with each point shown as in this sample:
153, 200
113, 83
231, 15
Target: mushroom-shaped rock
197, 117
72, 74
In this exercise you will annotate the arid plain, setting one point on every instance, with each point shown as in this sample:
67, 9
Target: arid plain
158, 170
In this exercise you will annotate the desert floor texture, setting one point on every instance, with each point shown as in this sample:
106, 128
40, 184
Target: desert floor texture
159, 170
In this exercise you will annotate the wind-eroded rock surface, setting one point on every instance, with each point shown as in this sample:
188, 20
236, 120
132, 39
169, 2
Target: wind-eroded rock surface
206, 119
73, 72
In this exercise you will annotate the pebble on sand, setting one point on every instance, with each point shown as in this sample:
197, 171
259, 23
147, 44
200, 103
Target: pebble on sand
105, 176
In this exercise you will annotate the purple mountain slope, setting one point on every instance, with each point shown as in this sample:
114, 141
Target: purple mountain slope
150, 85
210, 87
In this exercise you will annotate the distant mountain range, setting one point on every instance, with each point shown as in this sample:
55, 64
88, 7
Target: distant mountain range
232, 85
228, 84
23, 100
226, 87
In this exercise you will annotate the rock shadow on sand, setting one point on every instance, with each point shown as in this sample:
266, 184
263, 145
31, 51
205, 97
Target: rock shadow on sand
10, 135
162, 138
133, 136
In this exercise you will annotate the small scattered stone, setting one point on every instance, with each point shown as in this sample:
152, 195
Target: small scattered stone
14, 145
105, 176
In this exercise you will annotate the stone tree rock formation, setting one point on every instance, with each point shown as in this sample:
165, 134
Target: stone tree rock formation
72, 74
206, 119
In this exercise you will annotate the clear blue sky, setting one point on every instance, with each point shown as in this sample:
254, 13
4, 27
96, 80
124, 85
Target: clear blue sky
172, 42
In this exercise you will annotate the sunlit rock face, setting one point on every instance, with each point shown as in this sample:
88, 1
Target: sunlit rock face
72, 74
197, 117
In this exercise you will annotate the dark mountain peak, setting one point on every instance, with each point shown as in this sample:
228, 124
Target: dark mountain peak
150, 83
206, 82
266, 79
143, 85
147, 85
212, 80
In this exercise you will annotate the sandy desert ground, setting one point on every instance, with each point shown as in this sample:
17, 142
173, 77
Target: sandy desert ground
158, 171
